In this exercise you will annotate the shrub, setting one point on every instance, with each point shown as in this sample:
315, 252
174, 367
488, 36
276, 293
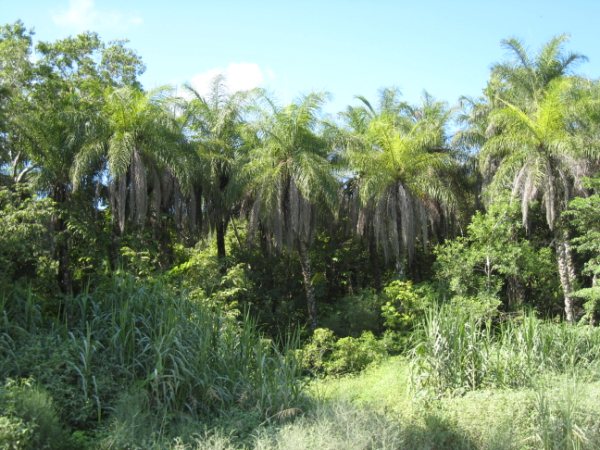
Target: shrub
497, 260
14, 434
317, 351
325, 354
25, 244
354, 354
32, 421
405, 306
584, 215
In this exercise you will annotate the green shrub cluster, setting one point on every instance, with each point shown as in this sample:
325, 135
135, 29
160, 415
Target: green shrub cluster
325, 354
14, 434
404, 307
354, 313
29, 418
25, 243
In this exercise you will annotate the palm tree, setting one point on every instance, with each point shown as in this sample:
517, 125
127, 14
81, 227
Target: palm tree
142, 148
290, 181
521, 81
525, 78
531, 147
401, 164
534, 155
215, 123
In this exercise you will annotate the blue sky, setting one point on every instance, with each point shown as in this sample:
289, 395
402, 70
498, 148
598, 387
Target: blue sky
345, 47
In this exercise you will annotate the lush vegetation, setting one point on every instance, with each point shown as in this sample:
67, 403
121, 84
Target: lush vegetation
221, 271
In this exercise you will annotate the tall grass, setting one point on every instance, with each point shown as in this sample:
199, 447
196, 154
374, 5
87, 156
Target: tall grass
187, 356
457, 352
566, 418
130, 337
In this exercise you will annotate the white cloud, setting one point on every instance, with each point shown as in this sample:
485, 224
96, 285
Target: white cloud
82, 15
238, 77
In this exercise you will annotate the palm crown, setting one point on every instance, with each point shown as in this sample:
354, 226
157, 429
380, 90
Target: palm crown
402, 168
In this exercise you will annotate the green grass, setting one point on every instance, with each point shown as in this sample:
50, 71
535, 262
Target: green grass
385, 387
377, 409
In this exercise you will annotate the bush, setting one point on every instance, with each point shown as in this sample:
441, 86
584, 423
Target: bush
404, 307
354, 354
328, 355
25, 244
584, 215
317, 351
32, 421
14, 434
498, 260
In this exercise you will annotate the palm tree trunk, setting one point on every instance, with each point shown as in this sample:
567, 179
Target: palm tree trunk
514, 292
221, 252
374, 261
65, 282
113, 247
311, 302
64, 272
566, 271
222, 220
594, 315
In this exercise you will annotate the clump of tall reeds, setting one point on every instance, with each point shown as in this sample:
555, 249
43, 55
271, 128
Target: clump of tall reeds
457, 352
143, 339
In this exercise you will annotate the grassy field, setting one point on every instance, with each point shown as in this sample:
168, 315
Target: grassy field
557, 412
377, 410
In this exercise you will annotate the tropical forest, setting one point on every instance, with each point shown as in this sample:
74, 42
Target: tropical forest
224, 270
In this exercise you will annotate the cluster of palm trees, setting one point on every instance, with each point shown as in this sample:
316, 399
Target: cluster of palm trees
391, 171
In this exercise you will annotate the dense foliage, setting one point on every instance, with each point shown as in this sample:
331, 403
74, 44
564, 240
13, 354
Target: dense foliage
163, 257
